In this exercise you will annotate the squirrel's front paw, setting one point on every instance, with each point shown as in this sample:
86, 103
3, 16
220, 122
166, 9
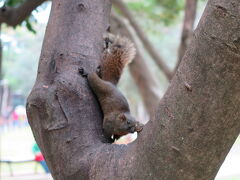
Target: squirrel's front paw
108, 40
82, 72
139, 127
107, 43
98, 71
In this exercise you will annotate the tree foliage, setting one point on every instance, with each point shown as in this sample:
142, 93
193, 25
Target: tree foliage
165, 11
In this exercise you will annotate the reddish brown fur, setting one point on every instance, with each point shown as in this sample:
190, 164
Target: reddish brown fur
116, 56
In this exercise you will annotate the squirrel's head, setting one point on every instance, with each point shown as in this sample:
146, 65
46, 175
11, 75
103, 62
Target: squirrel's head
126, 124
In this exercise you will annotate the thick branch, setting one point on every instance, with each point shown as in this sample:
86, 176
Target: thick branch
14, 16
141, 74
67, 133
152, 51
187, 29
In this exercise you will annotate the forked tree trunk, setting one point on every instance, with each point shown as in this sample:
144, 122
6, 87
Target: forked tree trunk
196, 122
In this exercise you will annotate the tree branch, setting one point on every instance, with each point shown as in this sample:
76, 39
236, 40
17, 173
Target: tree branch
152, 51
187, 30
13, 16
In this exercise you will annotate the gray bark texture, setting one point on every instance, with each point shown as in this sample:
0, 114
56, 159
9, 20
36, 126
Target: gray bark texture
195, 124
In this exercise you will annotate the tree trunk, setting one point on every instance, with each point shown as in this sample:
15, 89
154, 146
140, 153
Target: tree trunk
63, 113
196, 122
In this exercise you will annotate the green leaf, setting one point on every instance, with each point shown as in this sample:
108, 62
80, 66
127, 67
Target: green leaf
165, 11
29, 26
12, 3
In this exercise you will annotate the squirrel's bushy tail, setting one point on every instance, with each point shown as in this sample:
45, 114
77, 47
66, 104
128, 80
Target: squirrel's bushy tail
118, 52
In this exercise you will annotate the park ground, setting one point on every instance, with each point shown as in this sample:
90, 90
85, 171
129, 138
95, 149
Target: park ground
16, 144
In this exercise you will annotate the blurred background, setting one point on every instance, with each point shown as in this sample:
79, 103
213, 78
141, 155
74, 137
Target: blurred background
161, 30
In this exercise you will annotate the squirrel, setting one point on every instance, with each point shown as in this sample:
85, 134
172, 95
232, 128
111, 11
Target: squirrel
118, 121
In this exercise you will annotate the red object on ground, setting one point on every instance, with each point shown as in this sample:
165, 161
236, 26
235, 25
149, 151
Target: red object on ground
39, 157
15, 116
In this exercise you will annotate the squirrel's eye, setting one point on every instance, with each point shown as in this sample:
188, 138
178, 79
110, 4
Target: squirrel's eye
118, 46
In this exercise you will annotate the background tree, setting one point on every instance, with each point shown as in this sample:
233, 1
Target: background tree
195, 123
13, 13
16, 12
146, 82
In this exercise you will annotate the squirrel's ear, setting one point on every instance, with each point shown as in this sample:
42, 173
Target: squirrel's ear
122, 117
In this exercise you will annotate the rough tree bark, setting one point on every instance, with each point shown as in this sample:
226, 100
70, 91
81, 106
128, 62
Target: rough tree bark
187, 29
196, 122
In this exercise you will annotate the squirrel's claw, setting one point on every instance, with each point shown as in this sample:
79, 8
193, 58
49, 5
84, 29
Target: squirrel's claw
82, 72
139, 127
